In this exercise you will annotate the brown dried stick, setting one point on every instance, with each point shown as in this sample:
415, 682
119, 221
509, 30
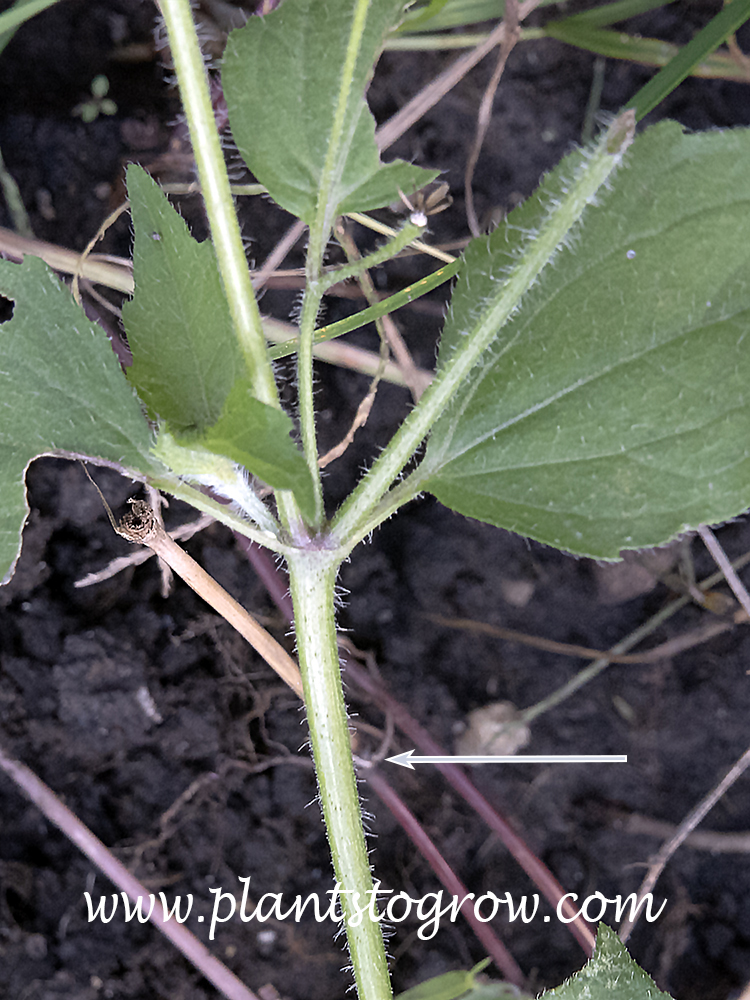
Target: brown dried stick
365, 406
512, 34
658, 863
52, 808
143, 527
78, 271
500, 954
386, 326
116, 566
715, 841
721, 560
670, 648
114, 272
428, 97
360, 418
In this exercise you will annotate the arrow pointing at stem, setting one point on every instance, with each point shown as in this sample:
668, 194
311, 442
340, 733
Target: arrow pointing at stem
408, 759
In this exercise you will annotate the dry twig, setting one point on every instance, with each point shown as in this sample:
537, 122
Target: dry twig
714, 841
666, 649
429, 96
80, 264
658, 863
141, 526
360, 418
142, 555
53, 809
114, 272
511, 36
389, 333
144, 527
365, 406
721, 560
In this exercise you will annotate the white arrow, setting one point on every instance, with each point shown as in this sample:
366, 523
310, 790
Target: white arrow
408, 760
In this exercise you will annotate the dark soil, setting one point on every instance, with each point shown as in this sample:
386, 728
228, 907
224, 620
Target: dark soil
72, 661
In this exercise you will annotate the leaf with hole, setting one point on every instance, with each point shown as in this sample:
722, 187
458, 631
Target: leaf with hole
62, 392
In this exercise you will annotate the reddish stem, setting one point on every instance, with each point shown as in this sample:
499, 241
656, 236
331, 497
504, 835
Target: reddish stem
194, 950
534, 867
419, 837
274, 580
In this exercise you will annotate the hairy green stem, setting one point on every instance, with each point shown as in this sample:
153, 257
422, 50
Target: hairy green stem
402, 493
171, 483
326, 208
354, 519
388, 305
320, 230
225, 231
308, 318
409, 232
312, 576
316, 285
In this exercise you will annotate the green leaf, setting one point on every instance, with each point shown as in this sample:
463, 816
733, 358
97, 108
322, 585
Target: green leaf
417, 17
448, 986
298, 115
612, 410
611, 13
650, 52
62, 392
495, 990
12, 18
185, 356
697, 57
257, 436
611, 974
718, 29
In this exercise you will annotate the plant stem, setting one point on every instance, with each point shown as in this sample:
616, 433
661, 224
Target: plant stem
312, 576
403, 492
388, 305
339, 141
321, 226
56, 812
172, 484
357, 510
149, 531
308, 318
219, 474
225, 232
407, 234
315, 287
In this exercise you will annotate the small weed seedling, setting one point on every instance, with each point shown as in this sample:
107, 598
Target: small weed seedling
591, 389
98, 104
